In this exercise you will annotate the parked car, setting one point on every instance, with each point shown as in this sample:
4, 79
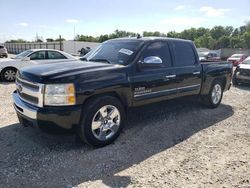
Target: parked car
84, 51
236, 59
242, 72
9, 67
92, 96
208, 56
3, 51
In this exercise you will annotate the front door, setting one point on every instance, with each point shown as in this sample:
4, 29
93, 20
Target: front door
38, 57
154, 83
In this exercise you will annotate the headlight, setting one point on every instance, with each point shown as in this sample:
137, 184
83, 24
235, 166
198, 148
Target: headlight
59, 95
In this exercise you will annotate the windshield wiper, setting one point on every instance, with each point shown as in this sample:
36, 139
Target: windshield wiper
100, 60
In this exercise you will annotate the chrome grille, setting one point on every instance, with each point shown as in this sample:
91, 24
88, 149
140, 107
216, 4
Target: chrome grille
30, 92
244, 72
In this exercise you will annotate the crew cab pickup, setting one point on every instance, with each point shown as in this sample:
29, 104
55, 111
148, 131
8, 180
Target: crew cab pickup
93, 95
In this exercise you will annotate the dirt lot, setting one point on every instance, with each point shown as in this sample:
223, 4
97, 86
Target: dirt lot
173, 144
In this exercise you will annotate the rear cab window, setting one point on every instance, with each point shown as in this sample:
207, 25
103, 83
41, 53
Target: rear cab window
184, 54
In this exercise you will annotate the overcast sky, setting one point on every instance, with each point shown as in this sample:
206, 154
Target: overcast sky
49, 18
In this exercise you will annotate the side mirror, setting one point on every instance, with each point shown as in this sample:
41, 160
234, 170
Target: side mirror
150, 62
26, 59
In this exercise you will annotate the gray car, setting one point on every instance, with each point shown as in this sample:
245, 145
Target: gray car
3, 51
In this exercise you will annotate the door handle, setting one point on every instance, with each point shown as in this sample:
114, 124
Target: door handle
171, 76
196, 73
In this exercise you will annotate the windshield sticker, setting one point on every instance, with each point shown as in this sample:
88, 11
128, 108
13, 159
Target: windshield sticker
126, 51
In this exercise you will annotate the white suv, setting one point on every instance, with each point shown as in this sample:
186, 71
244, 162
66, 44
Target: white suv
3, 51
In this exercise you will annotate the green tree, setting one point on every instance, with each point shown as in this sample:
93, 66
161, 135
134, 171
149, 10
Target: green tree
229, 30
17, 41
211, 43
153, 34
246, 38
242, 29
49, 40
173, 34
236, 42
236, 33
103, 38
85, 38
248, 26
201, 31
223, 42
219, 31
203, 41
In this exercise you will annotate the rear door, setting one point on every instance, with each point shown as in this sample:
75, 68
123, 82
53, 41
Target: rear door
187, 67
54, 57
152, 84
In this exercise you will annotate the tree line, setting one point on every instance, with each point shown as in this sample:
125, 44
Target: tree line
215, 38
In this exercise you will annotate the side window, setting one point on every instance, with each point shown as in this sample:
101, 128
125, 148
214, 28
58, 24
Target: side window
38, 55
55, 55
184, 54
159, 49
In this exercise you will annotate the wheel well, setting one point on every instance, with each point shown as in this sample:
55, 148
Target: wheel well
8, 68
112, 94
223, 81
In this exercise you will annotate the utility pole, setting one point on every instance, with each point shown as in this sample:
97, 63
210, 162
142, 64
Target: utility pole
74, 38
60, 39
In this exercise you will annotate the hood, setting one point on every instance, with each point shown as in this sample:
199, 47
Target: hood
64, 72
6, 60
244, 66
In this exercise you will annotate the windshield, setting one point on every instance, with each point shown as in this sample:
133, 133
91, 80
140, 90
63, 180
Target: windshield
23, 54
246, 61
114, 52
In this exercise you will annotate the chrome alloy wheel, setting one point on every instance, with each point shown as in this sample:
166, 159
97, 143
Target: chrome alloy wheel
106, 122
216, 93
10, 75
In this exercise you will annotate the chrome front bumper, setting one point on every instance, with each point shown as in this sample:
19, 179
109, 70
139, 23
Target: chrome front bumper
22, 108
30, 115
243, 77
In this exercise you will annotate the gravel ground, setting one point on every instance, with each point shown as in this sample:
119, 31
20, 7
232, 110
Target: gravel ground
176, 143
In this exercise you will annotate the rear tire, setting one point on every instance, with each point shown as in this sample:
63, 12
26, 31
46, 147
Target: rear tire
9, 74
213, 99
102, 121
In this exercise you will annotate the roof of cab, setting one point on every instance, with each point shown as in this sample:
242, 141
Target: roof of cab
151, 39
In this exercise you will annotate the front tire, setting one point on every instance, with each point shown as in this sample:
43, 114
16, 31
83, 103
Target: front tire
9, 74
102, 121
213, 99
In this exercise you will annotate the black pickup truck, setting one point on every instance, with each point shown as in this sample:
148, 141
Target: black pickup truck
93, 95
